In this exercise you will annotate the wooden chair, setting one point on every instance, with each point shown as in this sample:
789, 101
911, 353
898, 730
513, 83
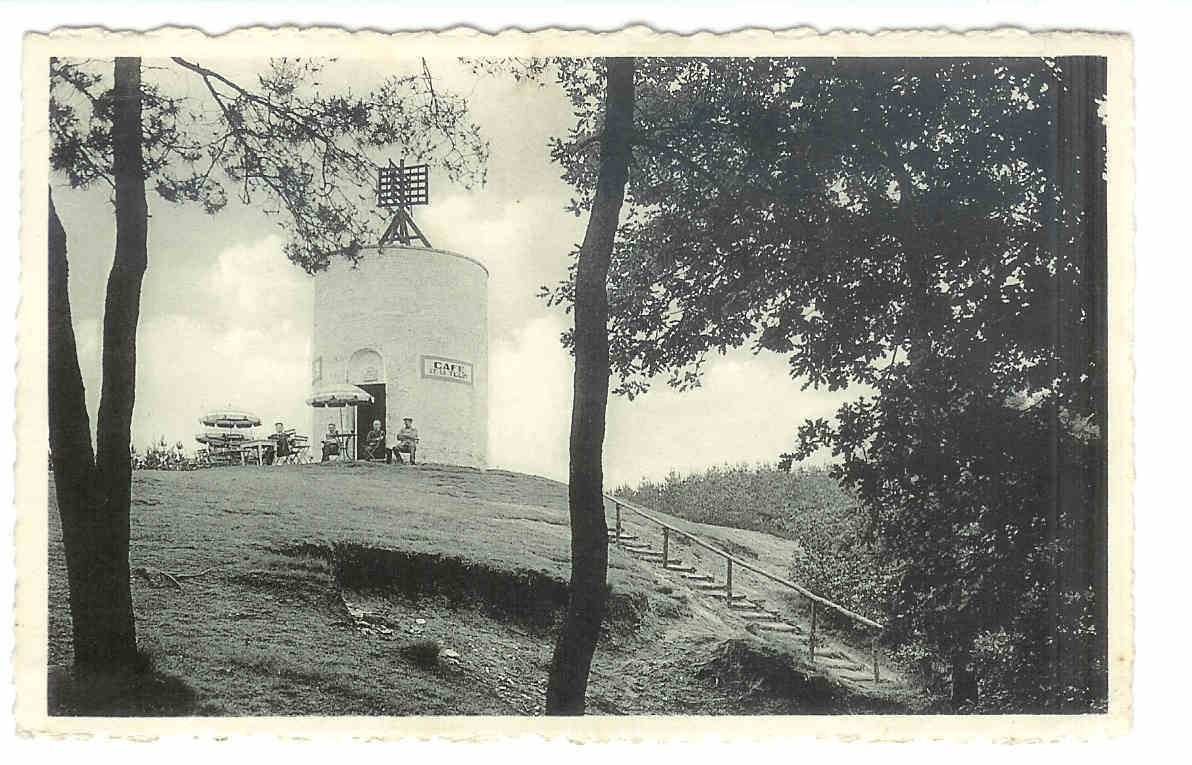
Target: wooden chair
301, 451
378, 454
291, 458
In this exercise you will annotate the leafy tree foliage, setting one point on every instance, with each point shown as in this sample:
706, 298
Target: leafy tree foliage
282, 139
926, 228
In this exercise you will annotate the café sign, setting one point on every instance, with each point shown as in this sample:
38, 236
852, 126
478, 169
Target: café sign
451, 370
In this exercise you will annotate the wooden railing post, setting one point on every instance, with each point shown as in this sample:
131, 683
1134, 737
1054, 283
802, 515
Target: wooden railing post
811, 640
728, 587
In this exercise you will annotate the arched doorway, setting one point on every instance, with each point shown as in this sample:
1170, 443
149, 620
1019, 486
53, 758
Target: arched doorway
366, 369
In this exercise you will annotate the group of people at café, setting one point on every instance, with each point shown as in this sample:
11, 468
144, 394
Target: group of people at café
374, 446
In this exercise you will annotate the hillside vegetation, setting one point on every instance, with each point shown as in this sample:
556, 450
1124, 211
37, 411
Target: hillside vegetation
837, 556
834, 558
363, 589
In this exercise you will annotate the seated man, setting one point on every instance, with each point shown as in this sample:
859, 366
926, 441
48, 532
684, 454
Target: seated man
330, 442
281, 443
407, 441
374, 444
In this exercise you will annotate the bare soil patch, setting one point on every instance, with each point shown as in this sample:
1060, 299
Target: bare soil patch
315, 585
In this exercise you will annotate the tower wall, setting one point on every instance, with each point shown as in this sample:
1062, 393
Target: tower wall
416, 321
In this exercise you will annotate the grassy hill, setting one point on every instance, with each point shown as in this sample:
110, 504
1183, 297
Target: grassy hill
370, 589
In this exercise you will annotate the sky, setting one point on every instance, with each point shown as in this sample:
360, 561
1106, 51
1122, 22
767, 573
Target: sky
1158, 29
226, 319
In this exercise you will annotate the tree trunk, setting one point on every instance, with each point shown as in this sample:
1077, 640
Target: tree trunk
94, 493
576, 643
964, 680
1078, 526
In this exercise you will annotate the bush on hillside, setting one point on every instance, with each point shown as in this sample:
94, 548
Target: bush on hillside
836, 558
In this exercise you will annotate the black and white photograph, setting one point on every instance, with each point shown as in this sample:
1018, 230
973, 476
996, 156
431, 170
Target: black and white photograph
451, 377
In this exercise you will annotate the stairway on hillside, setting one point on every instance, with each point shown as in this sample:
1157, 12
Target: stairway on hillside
753, 611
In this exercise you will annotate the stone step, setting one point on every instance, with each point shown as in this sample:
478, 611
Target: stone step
671, 566
755, 615
612, 536
671, 563
693, 577
714, 588
850, 666
674, 564
858, 677
776, 627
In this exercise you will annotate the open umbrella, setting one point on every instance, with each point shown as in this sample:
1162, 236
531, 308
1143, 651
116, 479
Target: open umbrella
230, 418
219, 438
339, 396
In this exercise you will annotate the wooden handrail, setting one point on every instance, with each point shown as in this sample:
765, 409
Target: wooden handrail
737, 561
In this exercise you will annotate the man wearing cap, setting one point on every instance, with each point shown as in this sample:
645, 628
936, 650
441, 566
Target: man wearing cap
407, 441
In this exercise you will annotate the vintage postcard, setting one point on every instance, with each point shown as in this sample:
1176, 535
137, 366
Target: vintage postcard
624, 386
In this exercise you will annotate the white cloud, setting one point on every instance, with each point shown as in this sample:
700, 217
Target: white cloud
509, 238
747, 410
242, 338
190, 367
255, 284
226, 319
530, 401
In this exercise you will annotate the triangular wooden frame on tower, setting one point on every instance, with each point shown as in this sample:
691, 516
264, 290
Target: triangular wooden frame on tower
400, 187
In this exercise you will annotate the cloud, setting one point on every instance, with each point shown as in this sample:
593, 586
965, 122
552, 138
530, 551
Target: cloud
226, 319
530, 401
262, 369
240, 336
747, 410
253, 284
509, 238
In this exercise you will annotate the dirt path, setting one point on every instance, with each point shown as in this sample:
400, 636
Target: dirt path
264, 630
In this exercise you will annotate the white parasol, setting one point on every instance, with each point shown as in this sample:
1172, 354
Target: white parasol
230, 418
339, 396
220, 438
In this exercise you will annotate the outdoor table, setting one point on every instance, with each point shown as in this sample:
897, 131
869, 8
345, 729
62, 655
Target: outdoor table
259, 445
344, 438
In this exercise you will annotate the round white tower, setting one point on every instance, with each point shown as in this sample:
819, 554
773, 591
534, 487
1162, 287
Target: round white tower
410, 326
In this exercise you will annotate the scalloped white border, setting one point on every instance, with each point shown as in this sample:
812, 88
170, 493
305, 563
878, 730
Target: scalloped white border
31, 498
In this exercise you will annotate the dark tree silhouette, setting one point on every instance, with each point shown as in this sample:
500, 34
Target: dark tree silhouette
576, 643
306, 152
932, 229
93, 491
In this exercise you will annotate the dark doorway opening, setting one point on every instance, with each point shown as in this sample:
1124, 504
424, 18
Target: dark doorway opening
366, 413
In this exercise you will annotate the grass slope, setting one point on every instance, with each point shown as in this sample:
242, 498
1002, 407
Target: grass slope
831, 556
321, 587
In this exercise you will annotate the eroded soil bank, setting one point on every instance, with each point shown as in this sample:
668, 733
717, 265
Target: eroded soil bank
310, 604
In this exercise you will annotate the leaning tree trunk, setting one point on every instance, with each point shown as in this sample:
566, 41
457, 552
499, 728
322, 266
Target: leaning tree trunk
94, 494
576, 643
